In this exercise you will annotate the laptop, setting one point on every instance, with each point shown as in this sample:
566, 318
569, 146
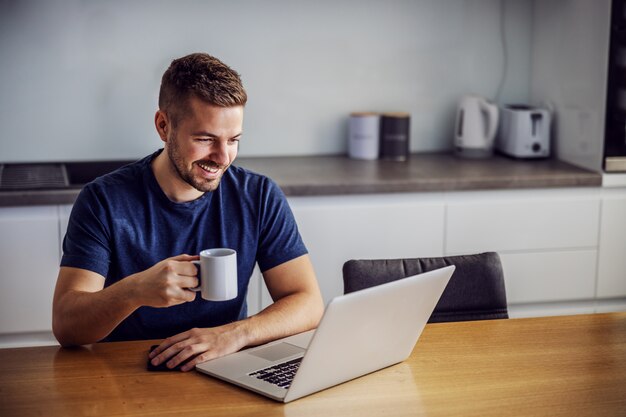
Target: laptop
360, 332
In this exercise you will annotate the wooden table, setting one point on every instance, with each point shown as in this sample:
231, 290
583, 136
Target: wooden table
551, 366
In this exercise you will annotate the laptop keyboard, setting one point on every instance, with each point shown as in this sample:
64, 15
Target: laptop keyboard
280, 374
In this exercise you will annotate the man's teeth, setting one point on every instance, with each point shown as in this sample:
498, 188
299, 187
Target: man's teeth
210, 168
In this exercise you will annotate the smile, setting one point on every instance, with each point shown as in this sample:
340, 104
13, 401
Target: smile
211, 168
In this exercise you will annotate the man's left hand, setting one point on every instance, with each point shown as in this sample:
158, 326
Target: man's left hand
198, 345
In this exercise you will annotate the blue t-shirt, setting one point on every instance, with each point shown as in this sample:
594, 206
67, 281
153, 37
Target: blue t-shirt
123, 223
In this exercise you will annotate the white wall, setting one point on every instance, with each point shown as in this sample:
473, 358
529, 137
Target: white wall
573, 80
79, 78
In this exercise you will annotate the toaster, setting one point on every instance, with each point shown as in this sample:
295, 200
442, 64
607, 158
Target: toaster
524, 132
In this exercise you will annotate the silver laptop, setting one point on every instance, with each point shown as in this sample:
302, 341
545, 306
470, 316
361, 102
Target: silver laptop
360, 332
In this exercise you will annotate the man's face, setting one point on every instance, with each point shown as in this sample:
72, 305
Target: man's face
204, 143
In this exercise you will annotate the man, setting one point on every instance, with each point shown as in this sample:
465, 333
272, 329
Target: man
126, 268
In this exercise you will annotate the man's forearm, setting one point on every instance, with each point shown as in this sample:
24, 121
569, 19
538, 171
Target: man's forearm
84, 311
297, 306
88, 317
292, 314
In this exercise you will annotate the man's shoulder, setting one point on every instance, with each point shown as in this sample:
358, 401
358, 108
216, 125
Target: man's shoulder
244, 177
125, 179
241, 172
243, 184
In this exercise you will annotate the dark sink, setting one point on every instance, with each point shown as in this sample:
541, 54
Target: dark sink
80, 173
32, 176
50, 176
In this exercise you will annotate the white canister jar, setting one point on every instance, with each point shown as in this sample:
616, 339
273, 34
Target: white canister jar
363, 135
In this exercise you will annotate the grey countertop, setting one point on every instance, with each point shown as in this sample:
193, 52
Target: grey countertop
332, 175
339, 175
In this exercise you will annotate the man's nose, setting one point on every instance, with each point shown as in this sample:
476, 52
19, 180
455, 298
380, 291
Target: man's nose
219, 153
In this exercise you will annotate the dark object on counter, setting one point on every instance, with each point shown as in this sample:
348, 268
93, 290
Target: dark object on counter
53, 176
475, 291
81, 173
32, 176
394, 136
615, 114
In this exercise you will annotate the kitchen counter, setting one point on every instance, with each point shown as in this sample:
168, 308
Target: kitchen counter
339, 175
332, 175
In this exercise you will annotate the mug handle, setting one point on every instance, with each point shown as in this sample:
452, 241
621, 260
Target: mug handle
199, 287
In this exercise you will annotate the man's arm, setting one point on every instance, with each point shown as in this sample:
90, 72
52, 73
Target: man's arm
83, 311
297, 307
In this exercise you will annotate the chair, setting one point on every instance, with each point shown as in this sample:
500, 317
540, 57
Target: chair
475, 291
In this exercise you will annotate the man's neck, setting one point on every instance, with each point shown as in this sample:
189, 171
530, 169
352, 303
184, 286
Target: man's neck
170, 182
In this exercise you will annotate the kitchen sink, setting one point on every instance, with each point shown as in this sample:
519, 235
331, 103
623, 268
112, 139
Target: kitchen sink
48, 176
81, 173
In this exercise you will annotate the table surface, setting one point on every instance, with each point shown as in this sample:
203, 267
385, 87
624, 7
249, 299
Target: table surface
549, 366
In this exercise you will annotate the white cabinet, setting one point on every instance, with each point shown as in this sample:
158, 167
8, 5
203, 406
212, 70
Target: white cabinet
522, 220
549, 276
338, 228
29, 255
612, 262
547, 240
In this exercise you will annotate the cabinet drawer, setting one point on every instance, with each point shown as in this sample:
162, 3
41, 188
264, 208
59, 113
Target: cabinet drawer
549, 276
512, 222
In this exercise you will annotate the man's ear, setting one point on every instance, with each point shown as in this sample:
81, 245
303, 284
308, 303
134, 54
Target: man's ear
162, 124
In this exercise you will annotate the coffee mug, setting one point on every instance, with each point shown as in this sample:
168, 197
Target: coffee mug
217, 274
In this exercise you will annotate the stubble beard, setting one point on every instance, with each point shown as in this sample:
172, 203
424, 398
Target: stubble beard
186, 174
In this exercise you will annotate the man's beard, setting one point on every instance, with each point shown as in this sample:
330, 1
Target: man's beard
200, 184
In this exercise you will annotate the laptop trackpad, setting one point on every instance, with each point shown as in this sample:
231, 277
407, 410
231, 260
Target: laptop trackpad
277, 351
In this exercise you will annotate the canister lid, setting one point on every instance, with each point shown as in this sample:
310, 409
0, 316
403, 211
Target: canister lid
364, 114
399, 115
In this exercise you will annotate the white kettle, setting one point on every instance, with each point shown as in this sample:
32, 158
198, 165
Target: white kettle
476, 127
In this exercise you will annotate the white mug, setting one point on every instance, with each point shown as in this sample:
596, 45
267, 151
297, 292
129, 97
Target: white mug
217, 274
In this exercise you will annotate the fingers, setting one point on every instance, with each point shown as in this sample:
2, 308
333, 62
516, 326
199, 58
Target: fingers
188, 282
181, 267
167, 283
202, 357
177, 350
187, 272
185, 258
192, 347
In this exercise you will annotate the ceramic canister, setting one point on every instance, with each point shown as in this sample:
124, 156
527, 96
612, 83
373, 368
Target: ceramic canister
394, 136
363, 140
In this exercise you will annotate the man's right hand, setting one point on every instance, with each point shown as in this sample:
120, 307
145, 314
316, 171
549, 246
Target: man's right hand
84, 311
167, 283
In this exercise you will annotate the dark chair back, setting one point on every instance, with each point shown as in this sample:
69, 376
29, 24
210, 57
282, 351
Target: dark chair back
475, 291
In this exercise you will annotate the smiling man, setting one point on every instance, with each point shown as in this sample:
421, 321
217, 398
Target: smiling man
127, 268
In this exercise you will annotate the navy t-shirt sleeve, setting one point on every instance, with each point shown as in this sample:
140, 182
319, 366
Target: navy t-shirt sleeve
87, 242
279, 239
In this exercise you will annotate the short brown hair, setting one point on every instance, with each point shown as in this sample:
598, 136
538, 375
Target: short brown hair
203, 76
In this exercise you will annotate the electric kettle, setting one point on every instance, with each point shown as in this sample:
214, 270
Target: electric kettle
476, 127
